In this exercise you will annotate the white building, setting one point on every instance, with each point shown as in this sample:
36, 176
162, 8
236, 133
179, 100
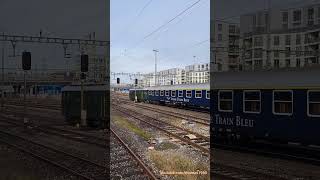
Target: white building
197, 73
171, 76
148, 80
279, 38
225, 43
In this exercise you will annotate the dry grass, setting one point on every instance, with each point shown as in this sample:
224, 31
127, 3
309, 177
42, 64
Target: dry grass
120, 121
174, 162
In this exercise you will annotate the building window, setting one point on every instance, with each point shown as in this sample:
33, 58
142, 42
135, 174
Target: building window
208, 94
188, 94
219, 27
314, 103
198, 94
180, 93
285, 17
288, 53
252, 101
310, 13
282, 102
276, 53
298, 39
297, 15
219, 37
157, 93
298, 51
276, 63
225, 101
298, 63
161, 93
276, 40
287, 62
288, 39
173, 93
167, 93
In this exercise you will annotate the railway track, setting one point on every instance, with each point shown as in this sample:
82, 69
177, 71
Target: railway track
35, 105
187, 117
67, 134
200, 142
125, 164
77, 166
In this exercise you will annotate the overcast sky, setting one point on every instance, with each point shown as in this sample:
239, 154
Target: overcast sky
62, 18
177, 42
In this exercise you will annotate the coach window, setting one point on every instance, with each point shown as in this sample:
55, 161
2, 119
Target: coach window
173, 93
156, 93
225, 101
167, 93
198, 94
152, 93
208, 94
314, 103
282, 102
149, 92
180, 93
188, 94
251, 101
161, 93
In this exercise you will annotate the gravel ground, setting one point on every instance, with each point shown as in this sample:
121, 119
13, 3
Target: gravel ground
284, 168
140, 146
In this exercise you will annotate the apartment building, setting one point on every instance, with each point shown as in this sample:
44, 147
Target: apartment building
197, 73
279, 38
225, 52
171, 76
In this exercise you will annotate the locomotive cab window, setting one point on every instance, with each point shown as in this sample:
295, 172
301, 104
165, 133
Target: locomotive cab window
188, 94
282, 102
167, 93
173, 93
161, 93
198, 94
225, 99
251, 101
156, 93
180, 93
314, 103
208, 94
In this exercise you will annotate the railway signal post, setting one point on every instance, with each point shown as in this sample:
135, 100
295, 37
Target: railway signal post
84, 68
26, 66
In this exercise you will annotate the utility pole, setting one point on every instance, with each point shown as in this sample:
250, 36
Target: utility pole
155, 66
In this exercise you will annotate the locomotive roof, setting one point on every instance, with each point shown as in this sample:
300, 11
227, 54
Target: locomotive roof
281, 79
180, 87
86, 88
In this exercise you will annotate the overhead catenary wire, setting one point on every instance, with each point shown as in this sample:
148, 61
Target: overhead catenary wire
165, 24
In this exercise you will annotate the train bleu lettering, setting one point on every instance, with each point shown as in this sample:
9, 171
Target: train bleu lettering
177, 99
234, 121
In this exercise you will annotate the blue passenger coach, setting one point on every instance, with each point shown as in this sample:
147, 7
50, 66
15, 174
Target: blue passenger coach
191, 95
282, 106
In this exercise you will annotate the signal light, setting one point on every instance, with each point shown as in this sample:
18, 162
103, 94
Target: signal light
136, 81
26, 60
84, 62
118, 80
